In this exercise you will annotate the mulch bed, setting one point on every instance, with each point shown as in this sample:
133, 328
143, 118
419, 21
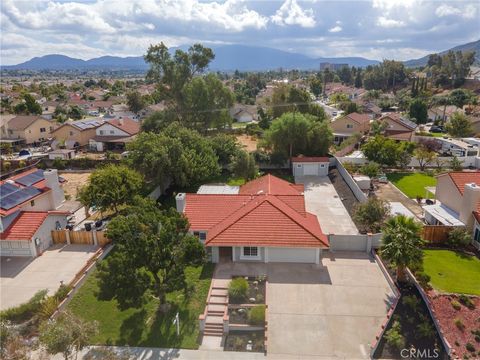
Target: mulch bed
446, 315
256, 290
345, 193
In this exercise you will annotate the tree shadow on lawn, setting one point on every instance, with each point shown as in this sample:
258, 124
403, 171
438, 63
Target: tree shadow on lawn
464, 256
132, 328
207, 271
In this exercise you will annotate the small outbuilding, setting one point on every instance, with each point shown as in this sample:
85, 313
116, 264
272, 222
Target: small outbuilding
310, 165
64, 154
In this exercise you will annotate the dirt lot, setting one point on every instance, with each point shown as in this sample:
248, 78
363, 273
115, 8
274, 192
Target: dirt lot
74, 182
388, 192
248, 142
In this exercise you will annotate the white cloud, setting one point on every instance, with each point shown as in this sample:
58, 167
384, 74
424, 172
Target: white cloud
468, 12
290, 13
389, 23
335, 29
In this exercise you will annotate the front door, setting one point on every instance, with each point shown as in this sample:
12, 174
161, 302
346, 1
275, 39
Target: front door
225, 253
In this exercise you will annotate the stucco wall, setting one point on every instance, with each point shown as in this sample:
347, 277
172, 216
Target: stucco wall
44, 232
298, 168
447, 193
351, 183
110, 130
82, 137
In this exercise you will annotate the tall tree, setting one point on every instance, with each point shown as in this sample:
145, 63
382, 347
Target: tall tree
418, 111
243, 165
152, 250
459, 125
135, 101
372, 214
29, 106
110, 187
402, 244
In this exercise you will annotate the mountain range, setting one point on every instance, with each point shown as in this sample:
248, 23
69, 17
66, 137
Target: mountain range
227, 58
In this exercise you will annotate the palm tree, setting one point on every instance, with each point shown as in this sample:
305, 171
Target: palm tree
401, 243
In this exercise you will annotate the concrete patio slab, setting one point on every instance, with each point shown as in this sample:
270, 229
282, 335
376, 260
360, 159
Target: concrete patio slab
322, 199
22, 277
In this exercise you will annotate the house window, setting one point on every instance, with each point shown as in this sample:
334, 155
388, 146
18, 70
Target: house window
32, 203
112, 132
201, 235
101, 132
42, 130
250, 252
322, 165
349, 126
71, 133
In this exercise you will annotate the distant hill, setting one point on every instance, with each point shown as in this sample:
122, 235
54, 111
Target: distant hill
227, 58
472, 46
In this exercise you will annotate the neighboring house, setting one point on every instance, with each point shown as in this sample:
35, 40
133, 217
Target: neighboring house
473, 114
457, 147
244, 113
114, 134
73, 134
122, 111
345, 126
457, 202
305, 165
4, 119
398, 127
30, 208
436, 113
265, 222
31, 128
63, 154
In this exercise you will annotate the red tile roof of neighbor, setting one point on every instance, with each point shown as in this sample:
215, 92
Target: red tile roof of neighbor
128, 125
24, 226
460, 178
309, 159
275, 217
359, 118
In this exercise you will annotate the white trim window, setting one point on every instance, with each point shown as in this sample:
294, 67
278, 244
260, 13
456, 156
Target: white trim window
201, 235
250, 253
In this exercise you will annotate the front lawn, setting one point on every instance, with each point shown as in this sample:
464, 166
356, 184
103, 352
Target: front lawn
412, 184
452, 272
146, 326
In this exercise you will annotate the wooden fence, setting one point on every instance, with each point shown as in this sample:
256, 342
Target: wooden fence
436, 234
80, 237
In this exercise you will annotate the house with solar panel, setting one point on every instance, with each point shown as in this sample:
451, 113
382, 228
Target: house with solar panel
74, 134
30, 208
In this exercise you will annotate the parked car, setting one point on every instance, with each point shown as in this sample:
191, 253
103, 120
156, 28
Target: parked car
436, 129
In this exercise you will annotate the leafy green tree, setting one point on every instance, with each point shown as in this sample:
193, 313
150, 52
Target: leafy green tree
371, 169
338, 98
29, 106
456, 164
243, 165
315, 86
67, 334
225, 147
135, 101
378, 127
76, 113
152, 250
424, 156
177, 154
264, 119
418, 111
462, 97
6, 148
159, 120
358, 79
459, 125
110, 187
372, 214
381, 150
402, 244
349, 107
288, 98
294, 133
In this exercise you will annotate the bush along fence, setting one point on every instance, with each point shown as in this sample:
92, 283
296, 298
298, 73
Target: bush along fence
393, 306
436, 234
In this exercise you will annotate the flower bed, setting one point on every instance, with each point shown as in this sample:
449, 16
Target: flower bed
238, 315
255, 293
459, 323
249, 341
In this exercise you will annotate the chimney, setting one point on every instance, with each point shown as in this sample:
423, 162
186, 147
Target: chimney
120, 121
470, 200
181, 200
51, 180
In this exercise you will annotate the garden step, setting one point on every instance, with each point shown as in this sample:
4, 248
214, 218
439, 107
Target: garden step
215, 308
214, 320
213, 333
214, 326
218, 300
219, 292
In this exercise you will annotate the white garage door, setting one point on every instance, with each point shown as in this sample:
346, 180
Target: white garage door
310, 169
292, 255
15, 248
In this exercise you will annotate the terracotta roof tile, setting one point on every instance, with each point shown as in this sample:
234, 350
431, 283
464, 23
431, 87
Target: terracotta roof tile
126, 124
271, 185
24, 226
310, 159
460, 178
359, 118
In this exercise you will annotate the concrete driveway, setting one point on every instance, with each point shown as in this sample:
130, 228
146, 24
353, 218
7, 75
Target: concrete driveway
22, 277
322, 199
329, 311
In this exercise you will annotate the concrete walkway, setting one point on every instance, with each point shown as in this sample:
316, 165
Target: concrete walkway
322, 199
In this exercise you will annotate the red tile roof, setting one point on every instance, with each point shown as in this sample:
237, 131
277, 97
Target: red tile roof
309, 159
359, 118
271, 185
460, 178
128, 125
24, 226
274, 217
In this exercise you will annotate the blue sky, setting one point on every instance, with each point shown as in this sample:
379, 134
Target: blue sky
376, 29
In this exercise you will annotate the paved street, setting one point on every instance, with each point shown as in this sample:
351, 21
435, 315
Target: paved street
22, 277
322, 199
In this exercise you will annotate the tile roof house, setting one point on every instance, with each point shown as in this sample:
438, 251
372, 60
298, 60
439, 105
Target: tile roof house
32, 128
266, 221
457, 201
73, 134
114, 134
398, 127
30, 208
347, 125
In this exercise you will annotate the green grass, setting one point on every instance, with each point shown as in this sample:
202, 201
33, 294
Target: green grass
412, 184
146, 326
452, 271
236, 181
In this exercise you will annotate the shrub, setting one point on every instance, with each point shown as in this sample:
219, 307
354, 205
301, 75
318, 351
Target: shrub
59, 164
260, 298
423, 279
425, 329
470, 347
411, 301
459, 238
456, 305
371, 169
459, 324
394, 337
237, 289
49, 305
62, 292
256, 316
25, 311
465, 300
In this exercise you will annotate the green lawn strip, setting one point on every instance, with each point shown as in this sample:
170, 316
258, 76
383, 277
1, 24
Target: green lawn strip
146, 326
412, 184
452, 271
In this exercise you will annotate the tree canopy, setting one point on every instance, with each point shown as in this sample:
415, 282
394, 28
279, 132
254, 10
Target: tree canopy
418, 111
385, 151
459, 125
152, 250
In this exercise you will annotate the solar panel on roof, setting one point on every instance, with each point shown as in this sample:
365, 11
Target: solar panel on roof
31, 179
7, 188
18, 197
